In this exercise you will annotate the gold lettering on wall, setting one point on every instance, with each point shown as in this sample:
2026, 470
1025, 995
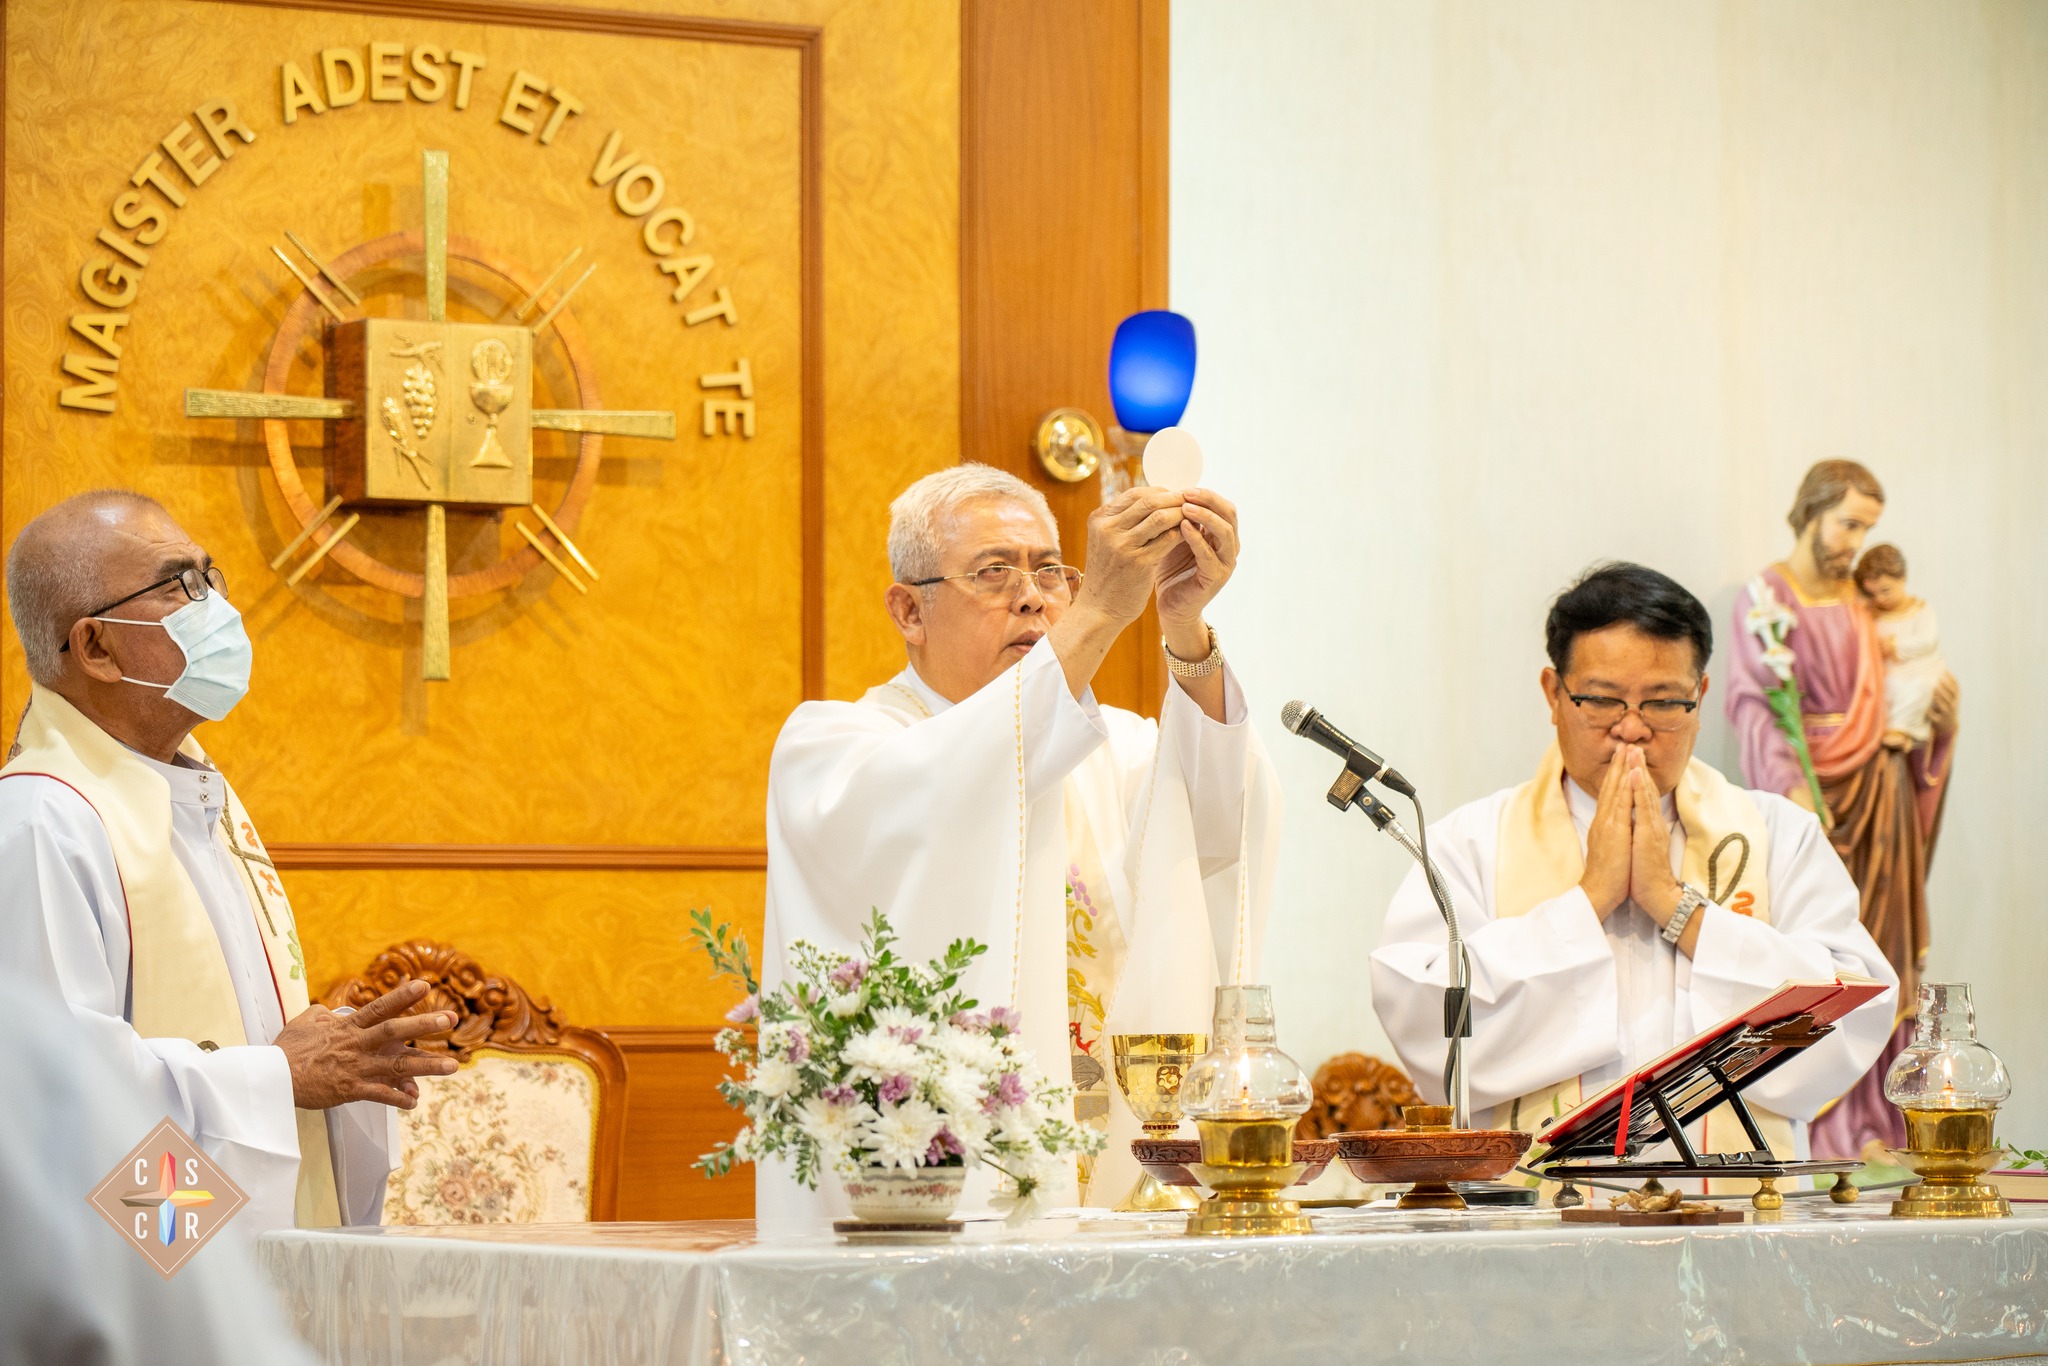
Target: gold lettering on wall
383, 73
736, 415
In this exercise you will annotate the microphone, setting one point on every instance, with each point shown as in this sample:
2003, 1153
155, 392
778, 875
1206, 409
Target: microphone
1307, 722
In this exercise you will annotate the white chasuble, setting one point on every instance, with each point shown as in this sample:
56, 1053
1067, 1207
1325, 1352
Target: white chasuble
1564, 1003
162, 921
977, 819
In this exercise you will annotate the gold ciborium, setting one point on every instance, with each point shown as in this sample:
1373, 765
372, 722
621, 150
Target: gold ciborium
1149, 1068
1949, 1087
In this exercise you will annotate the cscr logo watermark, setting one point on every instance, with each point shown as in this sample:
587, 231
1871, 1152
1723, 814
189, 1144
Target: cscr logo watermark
167, 1198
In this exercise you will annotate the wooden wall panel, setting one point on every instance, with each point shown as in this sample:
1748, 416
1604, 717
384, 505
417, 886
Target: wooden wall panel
641, 715
1063, 234
598, 764
669, 1124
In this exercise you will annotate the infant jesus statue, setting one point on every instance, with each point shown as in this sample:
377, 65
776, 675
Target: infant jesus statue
1911, 643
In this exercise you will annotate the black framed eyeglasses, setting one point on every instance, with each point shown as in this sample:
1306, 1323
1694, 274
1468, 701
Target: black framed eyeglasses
1005, 580
1658, 713
198, 584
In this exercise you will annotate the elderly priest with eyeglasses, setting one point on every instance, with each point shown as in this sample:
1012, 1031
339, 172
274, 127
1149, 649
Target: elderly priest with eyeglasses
1627, 897
138, 889
1117, 869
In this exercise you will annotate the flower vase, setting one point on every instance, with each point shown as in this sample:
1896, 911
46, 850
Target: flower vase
905, 1195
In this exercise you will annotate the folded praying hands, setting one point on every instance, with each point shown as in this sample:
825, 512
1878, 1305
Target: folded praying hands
1628, 846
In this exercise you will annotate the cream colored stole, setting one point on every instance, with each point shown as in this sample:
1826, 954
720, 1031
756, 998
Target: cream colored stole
1096, 948
1727, 850
180, 983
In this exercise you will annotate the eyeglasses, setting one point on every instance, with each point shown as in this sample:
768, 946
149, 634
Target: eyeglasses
1661, 714
1006, 580
198, 584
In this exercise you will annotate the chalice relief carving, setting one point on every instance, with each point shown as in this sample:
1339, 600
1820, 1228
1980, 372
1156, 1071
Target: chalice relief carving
492, 393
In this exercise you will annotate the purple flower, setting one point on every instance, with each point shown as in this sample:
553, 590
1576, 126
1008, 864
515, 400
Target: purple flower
908, 1033
897, 1088
973, 1024
848, 975
944, 1145
799, 1047
1006, 1018
1009, 1091
749, 1009
839, 1095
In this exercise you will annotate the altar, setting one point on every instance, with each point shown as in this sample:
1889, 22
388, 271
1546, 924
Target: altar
1821, 1285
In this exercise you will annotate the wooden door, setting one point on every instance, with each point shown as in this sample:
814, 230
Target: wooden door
1063, 175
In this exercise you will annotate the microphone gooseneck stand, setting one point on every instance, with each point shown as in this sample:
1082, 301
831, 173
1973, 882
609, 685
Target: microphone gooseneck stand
1349, 790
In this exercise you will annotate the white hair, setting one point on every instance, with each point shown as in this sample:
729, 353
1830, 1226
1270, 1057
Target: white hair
55, 575
918, 512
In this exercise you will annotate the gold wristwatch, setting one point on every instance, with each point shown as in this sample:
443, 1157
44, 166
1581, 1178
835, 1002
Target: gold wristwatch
1195, 668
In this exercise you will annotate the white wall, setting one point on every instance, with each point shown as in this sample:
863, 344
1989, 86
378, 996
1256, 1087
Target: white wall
1486, 291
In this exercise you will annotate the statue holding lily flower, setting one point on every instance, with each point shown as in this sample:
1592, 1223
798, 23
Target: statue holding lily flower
1770, 621
1806, 696
884, 1074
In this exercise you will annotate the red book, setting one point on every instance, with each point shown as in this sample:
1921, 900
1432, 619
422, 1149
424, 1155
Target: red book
1734, 1047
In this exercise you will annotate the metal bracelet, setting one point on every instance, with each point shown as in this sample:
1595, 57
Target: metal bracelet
1690, 899
1199, 668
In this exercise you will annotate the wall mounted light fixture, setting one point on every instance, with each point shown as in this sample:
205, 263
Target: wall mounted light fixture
1151, 374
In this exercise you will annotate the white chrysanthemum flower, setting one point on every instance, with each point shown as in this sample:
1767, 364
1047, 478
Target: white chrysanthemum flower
896, 1017
744, 1145
774, 1078
901, 1134
847, 1005
966, 1049
834, 1128
877, 1055
958, 1089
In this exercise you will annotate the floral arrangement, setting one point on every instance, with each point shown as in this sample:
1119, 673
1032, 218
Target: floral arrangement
1770, 621
873, 1061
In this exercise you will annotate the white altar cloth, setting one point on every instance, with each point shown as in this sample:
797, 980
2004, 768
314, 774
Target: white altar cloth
1825, 1285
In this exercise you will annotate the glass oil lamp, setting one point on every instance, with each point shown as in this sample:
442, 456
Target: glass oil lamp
1949, 1087
1244, 1095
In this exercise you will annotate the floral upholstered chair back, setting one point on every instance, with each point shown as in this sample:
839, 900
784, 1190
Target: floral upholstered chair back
528, 1128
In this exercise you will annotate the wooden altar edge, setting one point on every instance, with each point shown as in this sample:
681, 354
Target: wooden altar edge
578, 857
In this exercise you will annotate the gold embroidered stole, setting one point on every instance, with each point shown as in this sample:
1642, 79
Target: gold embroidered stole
1727, 851
1096, 948
180, 988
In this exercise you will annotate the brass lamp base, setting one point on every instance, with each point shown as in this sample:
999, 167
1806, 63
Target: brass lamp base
1247, 1203
1951, 1200
1149, 1195
1951, 1150
1247, 1216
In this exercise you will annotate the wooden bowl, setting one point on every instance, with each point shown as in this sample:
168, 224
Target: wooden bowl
1396, 1157
1171, 1160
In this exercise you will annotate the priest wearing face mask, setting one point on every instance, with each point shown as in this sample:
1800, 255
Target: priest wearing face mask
1628, 897
1117, 869
138, 888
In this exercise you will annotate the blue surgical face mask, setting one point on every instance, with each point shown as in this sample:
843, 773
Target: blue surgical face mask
218, 655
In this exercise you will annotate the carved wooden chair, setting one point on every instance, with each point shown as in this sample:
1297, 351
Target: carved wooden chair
528, 1130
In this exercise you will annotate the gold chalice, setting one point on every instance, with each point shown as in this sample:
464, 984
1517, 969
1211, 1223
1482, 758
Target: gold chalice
1149, 1068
